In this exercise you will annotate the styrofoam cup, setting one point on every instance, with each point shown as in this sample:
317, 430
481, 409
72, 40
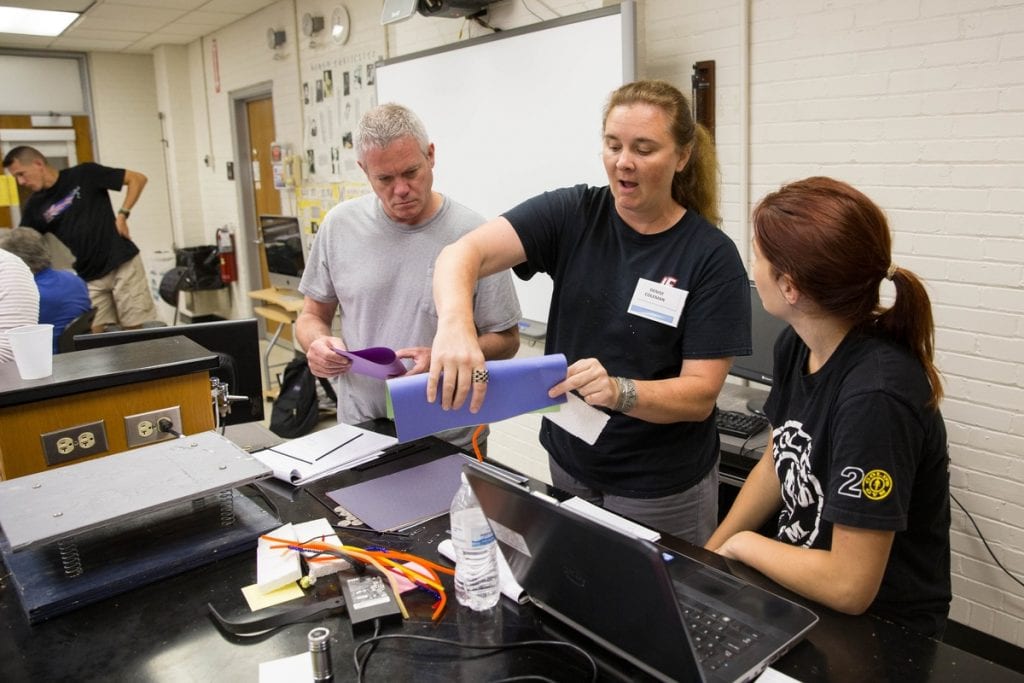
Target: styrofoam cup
33, 350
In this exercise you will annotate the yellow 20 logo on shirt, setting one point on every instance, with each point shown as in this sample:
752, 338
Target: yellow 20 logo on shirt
875, 485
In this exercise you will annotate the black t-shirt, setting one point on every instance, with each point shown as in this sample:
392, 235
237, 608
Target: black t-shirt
78, 211
855, 444
595, 260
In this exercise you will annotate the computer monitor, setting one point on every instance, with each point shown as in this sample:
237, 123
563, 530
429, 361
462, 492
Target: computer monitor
237, 344
758, 366
282, 241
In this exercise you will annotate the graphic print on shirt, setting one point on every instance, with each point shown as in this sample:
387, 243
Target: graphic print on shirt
57, 208
802, 499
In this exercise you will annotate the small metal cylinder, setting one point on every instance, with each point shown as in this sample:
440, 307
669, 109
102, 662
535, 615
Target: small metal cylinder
320, 650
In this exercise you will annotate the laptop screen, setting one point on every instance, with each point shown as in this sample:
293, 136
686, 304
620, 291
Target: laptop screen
574, 569
621, 591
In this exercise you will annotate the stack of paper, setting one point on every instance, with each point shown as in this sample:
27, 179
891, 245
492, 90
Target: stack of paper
307, 458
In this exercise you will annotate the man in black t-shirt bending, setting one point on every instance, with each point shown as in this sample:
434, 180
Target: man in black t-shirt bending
74, 205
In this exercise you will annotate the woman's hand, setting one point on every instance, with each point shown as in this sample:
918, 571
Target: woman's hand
590, 380
454, 357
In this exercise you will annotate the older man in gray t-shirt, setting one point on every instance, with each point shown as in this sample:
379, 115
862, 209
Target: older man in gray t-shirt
373, 258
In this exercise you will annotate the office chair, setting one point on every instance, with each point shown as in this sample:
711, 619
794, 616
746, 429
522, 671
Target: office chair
173, 281
79, 325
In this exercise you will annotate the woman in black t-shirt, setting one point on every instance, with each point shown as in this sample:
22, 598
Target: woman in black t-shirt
650, 303
857, 471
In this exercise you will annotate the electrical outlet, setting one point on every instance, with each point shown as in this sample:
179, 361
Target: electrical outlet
72, 443
143, 429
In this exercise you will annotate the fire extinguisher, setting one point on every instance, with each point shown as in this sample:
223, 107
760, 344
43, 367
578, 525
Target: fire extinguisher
226, 255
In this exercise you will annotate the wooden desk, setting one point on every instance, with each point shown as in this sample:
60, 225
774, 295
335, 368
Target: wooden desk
281, 308
101, 385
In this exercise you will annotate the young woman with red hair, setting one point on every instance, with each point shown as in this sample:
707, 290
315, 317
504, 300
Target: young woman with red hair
857, 471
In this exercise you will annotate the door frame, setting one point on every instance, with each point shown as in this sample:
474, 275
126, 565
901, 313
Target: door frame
248, 263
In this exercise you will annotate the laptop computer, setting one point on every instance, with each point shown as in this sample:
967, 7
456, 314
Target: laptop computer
672, 616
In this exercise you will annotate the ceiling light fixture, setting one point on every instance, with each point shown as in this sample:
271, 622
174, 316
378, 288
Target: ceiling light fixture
35, 22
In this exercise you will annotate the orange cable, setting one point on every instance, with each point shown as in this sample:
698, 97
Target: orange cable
476, 443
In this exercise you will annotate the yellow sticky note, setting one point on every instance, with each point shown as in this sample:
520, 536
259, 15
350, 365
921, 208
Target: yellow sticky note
259, 600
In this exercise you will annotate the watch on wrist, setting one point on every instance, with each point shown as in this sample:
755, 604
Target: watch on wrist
125, 212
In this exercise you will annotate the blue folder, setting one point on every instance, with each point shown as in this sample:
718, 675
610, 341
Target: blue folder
516, 386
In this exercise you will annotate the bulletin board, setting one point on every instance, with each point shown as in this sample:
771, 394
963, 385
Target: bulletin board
516, 113
336, 91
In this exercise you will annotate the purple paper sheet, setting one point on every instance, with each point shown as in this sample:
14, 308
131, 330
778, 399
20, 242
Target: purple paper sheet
377, 361
516, 386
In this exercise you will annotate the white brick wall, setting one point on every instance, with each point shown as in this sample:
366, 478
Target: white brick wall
918, 103
124, 96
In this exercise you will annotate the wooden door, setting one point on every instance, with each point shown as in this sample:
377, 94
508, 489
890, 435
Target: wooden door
260, 124
260, 116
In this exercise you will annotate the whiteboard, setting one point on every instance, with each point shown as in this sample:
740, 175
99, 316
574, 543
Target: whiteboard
518, 112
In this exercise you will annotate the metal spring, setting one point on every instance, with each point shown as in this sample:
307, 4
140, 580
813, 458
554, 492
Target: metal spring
198, 504
227, 508
69, 557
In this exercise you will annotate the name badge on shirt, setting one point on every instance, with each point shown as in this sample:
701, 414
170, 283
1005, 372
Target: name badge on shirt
658, 302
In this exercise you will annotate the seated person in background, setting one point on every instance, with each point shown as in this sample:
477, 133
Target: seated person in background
19, 299
858, 468
373, 258
63, 296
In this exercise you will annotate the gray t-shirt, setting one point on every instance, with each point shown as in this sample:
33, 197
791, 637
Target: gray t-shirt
381, 275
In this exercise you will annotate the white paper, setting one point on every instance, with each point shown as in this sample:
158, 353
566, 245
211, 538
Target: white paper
580, 419
287, 669
771, 675
324, 452
507, 583
610, 519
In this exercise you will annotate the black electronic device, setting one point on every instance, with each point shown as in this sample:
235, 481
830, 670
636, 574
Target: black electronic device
736, 423
282, 241
236, 343
604, 583
452, 8
759, 365
369, 597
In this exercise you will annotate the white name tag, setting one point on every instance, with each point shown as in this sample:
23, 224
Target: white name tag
658, 302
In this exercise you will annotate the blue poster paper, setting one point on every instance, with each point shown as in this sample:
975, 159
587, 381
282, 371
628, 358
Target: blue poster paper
516, 386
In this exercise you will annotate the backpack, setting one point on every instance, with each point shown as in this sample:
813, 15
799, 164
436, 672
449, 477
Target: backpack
297, 408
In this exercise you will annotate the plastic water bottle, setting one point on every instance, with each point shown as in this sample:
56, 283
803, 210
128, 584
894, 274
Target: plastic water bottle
476, 562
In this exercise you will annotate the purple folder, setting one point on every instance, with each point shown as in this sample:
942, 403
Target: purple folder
376, 361
516, 386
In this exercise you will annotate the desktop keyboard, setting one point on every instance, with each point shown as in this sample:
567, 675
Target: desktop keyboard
736, 423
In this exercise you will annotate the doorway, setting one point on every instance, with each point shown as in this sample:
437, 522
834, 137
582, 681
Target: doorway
253, 119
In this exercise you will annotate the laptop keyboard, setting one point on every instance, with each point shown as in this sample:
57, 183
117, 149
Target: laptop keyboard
717, 638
